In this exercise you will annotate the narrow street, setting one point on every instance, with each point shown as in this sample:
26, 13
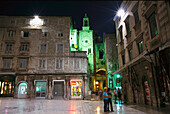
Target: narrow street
43, 106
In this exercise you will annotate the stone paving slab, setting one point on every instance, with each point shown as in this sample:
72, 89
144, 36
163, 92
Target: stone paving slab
43, 106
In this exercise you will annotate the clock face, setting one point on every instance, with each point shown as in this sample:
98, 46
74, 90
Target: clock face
85, 42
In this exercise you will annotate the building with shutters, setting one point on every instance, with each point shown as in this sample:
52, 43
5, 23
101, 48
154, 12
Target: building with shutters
36, 61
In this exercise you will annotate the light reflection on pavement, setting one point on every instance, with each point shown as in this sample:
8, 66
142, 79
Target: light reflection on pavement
44, 106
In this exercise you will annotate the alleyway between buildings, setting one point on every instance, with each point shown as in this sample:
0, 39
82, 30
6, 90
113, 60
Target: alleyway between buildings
43, 106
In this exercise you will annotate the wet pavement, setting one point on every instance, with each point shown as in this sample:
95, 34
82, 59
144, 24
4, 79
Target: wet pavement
44, 106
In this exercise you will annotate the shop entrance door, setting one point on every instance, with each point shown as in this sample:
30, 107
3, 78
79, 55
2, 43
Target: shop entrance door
58, 91
22, 90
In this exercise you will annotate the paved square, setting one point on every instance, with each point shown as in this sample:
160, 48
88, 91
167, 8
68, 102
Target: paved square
43, 106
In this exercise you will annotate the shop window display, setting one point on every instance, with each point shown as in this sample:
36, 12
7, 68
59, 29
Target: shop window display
76, 89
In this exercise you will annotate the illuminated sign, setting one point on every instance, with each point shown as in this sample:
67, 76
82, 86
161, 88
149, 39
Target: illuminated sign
73, 82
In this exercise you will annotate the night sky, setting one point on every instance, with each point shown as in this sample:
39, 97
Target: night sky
100, 13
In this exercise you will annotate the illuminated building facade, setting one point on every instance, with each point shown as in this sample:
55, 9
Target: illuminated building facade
82, 40
142, 32
100, 78
36, 61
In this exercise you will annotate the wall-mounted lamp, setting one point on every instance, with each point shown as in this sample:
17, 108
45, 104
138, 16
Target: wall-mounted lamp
120, 12
36, 21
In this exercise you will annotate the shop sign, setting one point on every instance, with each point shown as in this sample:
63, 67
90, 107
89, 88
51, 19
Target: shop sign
73, 82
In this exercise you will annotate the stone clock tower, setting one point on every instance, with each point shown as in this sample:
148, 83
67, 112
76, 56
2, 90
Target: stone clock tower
86, 43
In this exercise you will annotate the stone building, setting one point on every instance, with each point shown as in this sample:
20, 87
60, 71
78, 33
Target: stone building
142, 29
111, 54
36, 61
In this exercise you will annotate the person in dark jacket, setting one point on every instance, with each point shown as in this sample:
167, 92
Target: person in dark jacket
109, 100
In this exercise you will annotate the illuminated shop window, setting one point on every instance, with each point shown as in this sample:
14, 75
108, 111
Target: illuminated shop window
40, 89
6, 87
76, 88
22, 88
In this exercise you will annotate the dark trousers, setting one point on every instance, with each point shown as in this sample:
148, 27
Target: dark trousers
105, 105
110, 102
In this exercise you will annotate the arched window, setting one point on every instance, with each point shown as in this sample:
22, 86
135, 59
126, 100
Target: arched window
85, 23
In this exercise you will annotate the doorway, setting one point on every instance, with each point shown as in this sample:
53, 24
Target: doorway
22, 90
58, 90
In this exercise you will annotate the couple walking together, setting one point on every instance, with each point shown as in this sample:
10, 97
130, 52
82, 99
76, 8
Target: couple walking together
107, 97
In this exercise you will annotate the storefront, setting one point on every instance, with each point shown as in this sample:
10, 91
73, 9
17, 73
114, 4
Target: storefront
76, 89
40, 89
7, 86
22, 90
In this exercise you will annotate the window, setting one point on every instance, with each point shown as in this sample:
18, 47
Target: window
42, 63
100, 54
127, 26
12, 21
123, 59
121, 33
153, 26
89, 50
136, 17
23, 63
28, 21
76, 64
60, 47
25, 46
130, 54
9, 47
25, 34
140, 47
61, 21
43, 48
11, 33
7, 63
85, 23
44, 34
59, 63
44, 21
60, 34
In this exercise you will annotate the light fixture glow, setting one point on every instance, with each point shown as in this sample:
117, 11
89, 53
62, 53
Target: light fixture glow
120, 13
97, 82
36, 21
118, 76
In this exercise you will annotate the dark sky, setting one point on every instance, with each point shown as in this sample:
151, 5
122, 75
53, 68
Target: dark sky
100, 13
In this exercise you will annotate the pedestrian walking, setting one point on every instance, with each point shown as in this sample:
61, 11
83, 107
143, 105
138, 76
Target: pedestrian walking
115, 95
105, 99
119, 95
109, 100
